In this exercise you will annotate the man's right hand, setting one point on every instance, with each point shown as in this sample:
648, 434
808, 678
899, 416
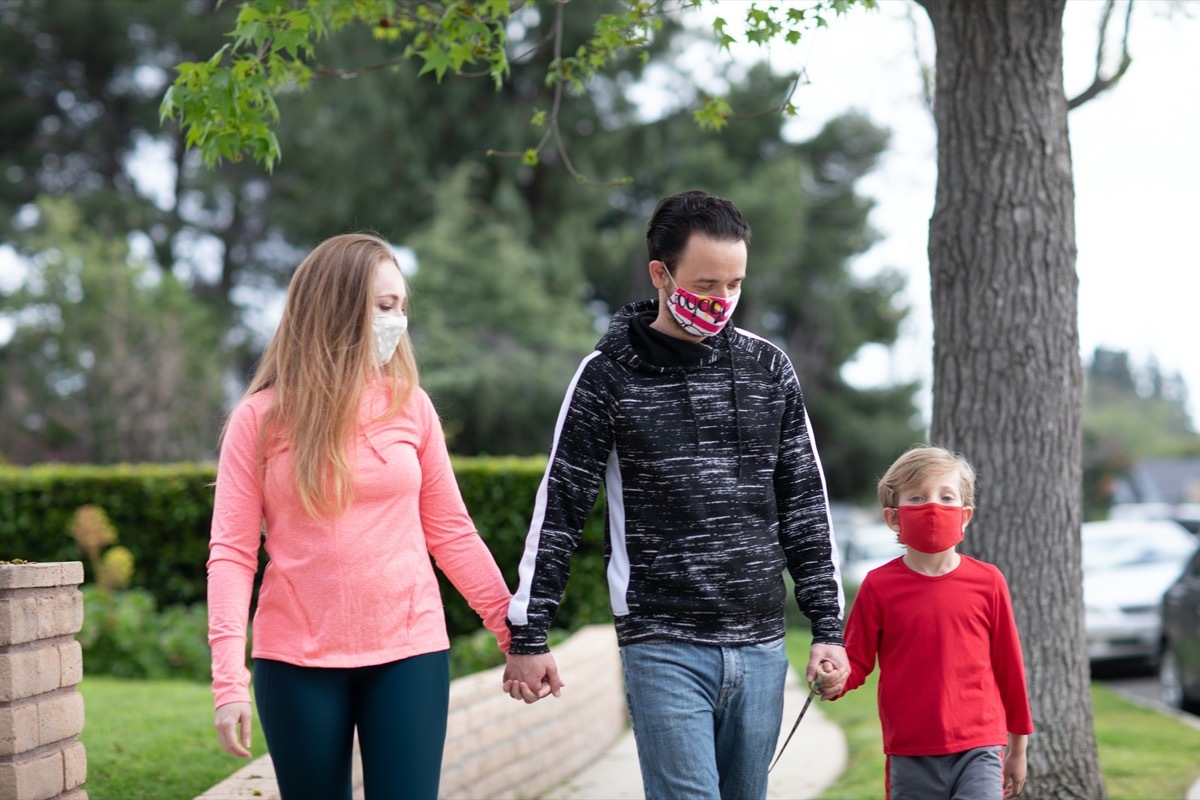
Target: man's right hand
530, 678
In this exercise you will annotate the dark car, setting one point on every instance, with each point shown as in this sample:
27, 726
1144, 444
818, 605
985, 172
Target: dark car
1179, 656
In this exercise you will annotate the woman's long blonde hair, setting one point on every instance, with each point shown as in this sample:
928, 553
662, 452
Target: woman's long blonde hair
318, 362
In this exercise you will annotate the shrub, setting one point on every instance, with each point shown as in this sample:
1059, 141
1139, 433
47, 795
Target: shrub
124, 635
164, 511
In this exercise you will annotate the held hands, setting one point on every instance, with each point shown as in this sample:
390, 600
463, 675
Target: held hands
828, 685
530, 678
233, 728
827, 663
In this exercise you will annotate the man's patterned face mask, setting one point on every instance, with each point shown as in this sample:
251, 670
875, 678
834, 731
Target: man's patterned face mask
700, 314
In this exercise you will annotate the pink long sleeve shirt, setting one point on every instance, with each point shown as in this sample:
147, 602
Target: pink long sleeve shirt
349, 591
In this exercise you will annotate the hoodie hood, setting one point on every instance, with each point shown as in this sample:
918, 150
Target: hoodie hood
617, 343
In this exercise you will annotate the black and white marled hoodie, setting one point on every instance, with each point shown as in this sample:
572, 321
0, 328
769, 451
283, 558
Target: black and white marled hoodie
713, 486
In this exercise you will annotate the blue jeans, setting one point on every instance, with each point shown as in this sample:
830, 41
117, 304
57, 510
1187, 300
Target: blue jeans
706, 719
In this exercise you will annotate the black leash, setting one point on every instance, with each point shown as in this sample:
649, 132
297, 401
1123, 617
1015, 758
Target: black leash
808, 702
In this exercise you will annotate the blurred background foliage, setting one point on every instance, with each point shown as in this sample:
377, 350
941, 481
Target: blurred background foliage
143, 285
1132, 412
146, 527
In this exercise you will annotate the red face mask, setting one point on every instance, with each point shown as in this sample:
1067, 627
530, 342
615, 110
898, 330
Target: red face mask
930, 527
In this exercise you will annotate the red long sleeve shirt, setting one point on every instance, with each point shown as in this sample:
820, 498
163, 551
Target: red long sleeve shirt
951, 675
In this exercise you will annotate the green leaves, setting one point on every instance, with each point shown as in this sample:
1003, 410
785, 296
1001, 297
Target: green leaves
765, 24
289, 32
613, 35
227, 107
713, 113
723, 38
227, 104
465, 34
437, 61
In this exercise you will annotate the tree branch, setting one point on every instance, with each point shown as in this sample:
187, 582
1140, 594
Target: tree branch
333, 73
1100, 83
926, 72
552, 127
782, 106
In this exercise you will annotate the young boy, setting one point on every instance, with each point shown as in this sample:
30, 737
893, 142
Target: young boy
951, 678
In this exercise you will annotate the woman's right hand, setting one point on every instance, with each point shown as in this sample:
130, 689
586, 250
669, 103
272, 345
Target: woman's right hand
233, 728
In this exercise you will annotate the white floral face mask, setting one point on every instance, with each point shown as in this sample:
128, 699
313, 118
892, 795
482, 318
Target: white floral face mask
387, 330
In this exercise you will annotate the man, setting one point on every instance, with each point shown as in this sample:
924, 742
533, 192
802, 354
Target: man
713, 486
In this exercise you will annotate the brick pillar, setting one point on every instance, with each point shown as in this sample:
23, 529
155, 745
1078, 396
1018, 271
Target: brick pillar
41, 712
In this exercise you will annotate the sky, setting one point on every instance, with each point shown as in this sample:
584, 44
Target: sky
1136, 156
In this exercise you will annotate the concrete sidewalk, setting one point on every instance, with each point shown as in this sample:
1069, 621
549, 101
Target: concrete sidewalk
814, 759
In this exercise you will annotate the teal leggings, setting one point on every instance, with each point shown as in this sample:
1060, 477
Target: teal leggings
309, 716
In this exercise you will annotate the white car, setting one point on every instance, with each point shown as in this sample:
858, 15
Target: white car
1127, 565
867, 547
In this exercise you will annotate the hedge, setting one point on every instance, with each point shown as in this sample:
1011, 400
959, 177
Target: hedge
162, 513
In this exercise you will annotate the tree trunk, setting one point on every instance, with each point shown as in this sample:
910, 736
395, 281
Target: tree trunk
1007, 387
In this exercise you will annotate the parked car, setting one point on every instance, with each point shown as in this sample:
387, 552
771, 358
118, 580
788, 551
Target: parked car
867, 547
1179, 655
1127, 566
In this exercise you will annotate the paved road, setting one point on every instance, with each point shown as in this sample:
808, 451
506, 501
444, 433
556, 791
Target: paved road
1141, 687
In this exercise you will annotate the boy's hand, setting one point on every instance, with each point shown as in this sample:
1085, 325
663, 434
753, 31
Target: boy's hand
828, 662
828, 683
1014, 765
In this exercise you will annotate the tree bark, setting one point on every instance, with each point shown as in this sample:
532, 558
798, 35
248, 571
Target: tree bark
1008, 384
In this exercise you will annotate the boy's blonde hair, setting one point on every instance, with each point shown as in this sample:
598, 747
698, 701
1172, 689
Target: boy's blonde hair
919, 463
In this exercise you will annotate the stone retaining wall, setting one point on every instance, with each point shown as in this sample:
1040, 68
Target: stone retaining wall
499, 748
41, 711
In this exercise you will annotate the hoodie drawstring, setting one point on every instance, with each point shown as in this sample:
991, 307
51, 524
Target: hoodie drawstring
737, 414
691, 404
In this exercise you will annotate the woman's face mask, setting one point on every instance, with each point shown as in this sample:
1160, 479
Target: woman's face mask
700, 314
387, 330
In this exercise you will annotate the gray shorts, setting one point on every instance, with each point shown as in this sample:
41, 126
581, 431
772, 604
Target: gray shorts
970, 775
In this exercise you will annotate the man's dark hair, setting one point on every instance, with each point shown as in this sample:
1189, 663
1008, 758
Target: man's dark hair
677, 217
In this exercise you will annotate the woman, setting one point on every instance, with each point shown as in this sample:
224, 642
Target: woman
335, 461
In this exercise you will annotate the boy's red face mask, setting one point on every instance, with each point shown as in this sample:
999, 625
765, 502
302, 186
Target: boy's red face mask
930, 527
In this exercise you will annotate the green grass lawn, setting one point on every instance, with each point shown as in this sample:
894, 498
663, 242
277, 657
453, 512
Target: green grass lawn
153, 740
1144, 755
